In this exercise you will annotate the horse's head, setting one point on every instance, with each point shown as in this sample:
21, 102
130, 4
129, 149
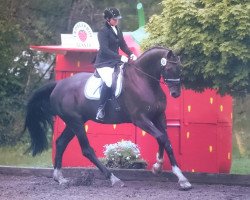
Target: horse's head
171, 73
157, 62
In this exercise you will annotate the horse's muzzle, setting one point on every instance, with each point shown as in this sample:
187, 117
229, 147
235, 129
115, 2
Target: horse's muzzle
175, 94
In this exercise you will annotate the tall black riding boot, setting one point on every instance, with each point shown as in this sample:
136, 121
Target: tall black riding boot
105, 95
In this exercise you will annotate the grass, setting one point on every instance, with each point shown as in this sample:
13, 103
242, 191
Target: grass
14, 156
240, 166
240, 163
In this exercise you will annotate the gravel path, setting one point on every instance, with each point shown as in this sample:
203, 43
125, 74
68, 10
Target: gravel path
33, 187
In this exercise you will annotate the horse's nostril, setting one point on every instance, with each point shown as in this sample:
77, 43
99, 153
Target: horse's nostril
175, 94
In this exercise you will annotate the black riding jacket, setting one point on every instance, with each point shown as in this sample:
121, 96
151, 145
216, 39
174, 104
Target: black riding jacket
108, 54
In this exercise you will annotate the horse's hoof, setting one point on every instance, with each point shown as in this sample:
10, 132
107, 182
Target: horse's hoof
156, 169
118, 184
116, 181
62, 181
185, 185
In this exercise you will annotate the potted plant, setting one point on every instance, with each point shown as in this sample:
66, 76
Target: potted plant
124, 154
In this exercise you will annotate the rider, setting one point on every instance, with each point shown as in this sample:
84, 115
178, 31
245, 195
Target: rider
110, 38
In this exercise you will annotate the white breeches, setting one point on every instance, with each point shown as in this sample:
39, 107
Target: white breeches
106, 74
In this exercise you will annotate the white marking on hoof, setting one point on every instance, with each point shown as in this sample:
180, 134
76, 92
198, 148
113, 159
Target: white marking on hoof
183, 182
116, 181
157, 168
185, 185
63, 181
58, 177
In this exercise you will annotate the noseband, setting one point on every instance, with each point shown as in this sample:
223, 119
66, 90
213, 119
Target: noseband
173, 80
164, 62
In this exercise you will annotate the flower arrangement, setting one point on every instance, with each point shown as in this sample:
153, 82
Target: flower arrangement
123, 154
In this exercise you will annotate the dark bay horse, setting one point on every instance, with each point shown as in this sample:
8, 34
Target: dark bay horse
142, 102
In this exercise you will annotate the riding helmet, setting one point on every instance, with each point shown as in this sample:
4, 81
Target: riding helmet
112, 13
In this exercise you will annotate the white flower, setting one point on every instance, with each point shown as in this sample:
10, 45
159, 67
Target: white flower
16, 59
124, 150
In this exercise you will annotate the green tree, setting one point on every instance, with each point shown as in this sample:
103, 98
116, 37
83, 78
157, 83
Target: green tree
212, 38
92, 12
17, 31
10, 81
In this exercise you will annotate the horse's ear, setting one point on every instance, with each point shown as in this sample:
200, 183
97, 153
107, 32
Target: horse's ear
170, 54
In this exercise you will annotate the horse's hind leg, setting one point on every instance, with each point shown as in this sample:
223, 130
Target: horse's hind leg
89, 153
160, 123
61, 144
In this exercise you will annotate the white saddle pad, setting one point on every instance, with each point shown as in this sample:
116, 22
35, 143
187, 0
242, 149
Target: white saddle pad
93, 86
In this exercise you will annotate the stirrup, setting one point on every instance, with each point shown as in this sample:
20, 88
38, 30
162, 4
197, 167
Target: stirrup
100, 113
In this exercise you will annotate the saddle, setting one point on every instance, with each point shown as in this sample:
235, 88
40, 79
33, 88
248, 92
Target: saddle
92, 89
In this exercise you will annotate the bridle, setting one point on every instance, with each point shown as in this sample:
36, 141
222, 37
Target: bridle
166, 80
170, 80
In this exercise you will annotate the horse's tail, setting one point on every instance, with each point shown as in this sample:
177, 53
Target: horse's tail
38, 116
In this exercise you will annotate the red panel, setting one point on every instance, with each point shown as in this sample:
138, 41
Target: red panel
173, 110
73, 156
199, 148
200, 107
224, 147
98, 134
96, 128
58, 49
149, 146
76, 62
225, 110
133, 46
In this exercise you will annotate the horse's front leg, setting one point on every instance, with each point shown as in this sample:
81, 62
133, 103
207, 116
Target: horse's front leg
148, 126
182, 180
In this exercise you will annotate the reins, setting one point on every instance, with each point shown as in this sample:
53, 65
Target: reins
148, 75
158, 80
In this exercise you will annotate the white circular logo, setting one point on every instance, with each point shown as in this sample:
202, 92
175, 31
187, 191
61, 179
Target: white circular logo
139, 6
83, 34
163, 61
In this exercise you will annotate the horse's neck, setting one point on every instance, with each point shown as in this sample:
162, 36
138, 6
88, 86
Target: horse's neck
150, 67
147, 67
150, 59
139, 76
